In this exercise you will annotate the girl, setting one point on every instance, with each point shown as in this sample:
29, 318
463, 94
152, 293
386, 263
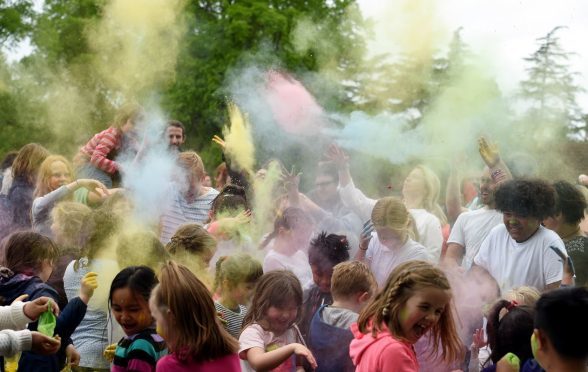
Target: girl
291, 235
186, 319
24, 177
270, 339
234, 280
420, 193
142, 347
54, 183
392, 242
96, 159
29, 263
416, 300
195, 247
325, 252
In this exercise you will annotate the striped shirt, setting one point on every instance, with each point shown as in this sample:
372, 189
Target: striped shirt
232, 321
180, 212
139, 352
98, 148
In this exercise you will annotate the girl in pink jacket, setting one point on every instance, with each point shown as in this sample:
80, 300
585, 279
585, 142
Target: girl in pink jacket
415, 301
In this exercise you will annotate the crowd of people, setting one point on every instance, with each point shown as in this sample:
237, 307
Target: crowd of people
492, 279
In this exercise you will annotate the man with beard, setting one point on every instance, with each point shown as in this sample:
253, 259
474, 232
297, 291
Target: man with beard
175, 134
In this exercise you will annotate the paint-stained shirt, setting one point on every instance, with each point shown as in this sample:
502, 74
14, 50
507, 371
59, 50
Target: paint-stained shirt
102, 144
139, 352
180, 212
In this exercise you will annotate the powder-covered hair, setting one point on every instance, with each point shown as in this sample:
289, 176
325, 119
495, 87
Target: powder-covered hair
193, 239
44, 175
327, 251
390, 212
140, 247
231, 198
523, 295
570, 202
276, 288
191, 163
27, 163
402, 284
350, 278
431, 198
71, 218
130, 111
196, 332
236, 269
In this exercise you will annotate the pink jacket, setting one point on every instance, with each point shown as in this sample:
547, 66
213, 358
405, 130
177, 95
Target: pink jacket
383, 353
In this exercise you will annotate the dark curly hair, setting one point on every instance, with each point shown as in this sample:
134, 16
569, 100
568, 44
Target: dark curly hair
569, 201
329, 250
526, 197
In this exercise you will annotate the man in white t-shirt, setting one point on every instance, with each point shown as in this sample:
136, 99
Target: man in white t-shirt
522, 252
471, 228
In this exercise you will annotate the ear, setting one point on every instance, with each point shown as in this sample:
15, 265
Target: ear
282, 230
363, 297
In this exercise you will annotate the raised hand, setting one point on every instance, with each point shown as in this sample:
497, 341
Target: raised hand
89, 284
219, 141
489, 152
337, 156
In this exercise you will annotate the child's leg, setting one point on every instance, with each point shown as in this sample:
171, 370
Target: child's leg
87, 170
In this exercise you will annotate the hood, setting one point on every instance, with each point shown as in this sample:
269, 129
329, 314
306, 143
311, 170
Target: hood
18, 284
361, 342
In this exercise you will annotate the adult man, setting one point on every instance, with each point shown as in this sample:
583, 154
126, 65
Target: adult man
176, 134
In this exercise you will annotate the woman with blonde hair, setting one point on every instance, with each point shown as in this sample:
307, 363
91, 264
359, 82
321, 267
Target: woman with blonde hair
393, 241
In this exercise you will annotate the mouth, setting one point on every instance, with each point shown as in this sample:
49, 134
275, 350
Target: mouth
420, 330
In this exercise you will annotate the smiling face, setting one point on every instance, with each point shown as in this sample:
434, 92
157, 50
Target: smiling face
60, 175
130, 311
279, 319
487, 188
422, 311
520, 228
175, 136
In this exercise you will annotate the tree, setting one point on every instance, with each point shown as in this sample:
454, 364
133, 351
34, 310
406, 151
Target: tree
15, 20
549, 92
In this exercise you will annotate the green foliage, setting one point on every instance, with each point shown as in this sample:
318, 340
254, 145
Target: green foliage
15, 19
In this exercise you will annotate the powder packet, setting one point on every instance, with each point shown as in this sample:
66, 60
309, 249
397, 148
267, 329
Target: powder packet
47, 321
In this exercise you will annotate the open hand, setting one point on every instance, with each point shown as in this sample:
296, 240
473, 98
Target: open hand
489, 152
92, 185
337, 156
219, 141
478, 340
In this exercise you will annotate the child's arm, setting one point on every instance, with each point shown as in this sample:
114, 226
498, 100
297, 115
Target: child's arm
265, 361
106, 144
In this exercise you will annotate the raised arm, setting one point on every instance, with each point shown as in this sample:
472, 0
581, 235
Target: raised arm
491, 156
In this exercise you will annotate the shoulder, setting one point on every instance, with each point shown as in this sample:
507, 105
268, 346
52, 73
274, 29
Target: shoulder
147, 341
209, 194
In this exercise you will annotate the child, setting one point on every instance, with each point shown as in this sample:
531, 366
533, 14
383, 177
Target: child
186, 319
270, 339
96, 159
29, 263
416, 300
142, 347
291, 235
235, 280
324, 253
560, 318
393, 243
54, 183
352, 285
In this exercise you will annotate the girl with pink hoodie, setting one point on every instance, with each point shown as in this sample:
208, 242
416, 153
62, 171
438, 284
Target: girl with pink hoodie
415, 301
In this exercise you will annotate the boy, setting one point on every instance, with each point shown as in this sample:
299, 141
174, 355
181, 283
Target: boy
352, 285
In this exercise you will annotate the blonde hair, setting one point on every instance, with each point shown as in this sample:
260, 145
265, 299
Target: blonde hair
431, 198
192, 238
72, 219
350, 278
384, 310
523, 295
191, 162
44, 175
390, 212
197, 332
26, 164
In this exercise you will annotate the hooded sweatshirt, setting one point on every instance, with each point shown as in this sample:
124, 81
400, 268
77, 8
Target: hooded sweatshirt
383, 353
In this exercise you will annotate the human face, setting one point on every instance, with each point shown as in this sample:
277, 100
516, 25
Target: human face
301, 235
391, 238
279, 319
422, 311
130, 311
520, 228
46, 270
175, 136
487, 188
326, 187
553, 222
160, 318
322, 278
414, 184
59, 175
241, 293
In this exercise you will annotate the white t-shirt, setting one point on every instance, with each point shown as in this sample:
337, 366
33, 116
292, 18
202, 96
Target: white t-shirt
255, 336
430, 234
382, 260
531, 263
470, 230
297, 263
